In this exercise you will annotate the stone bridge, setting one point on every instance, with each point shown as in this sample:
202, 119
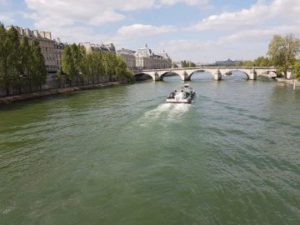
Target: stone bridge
217, 72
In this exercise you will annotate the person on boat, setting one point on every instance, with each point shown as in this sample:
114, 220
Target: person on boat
172, 94
187, 94
182, 95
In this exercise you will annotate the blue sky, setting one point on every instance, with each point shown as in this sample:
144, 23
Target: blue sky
199, 30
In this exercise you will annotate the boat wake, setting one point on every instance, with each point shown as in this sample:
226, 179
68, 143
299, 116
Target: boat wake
165, 112
178, 110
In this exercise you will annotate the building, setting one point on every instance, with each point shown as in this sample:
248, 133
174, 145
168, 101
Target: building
227, 62
50, 48
108, 48
146, 59
91, 47
166, 60
128, 56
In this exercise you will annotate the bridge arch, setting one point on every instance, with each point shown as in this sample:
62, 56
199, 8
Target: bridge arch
191, 73
246, 72
143, 76
273, 73
164, 74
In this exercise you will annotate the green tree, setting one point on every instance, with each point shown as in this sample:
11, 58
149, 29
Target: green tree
98, 64
283, 51
14, 58
39, 71
109, 63
73, 64
296, 69
248, 63
21, 62
262, 61
186, 63
87, 68
78, 54
25, 70
68, 65
93, 67
122, 71
174, 65
4, 50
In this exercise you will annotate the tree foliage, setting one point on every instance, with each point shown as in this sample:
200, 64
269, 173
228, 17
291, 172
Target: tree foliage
261, 61
185, 64
22, 64
283, 52
38, 65
78, 66
297, 69
4, 52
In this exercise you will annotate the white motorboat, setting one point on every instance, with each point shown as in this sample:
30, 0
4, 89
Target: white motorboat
184, 95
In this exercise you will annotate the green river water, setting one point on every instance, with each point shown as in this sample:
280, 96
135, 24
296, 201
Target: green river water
121, 156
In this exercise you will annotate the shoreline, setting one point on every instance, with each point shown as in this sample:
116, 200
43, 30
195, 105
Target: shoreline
60, 91
52, 92
288, 82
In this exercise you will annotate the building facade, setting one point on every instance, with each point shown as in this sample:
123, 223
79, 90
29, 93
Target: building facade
50, 48
91, 47
146, 59
128, 57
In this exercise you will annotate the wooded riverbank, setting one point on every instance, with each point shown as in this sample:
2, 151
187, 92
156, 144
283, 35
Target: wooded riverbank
52, 92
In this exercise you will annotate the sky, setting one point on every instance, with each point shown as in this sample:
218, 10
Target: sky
203, 31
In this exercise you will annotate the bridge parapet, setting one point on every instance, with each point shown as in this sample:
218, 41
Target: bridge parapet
217, 72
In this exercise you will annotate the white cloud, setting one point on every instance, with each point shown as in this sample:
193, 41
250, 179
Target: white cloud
141, 30
237, 34
242, 34
188, 2
62, 15
241, 45
95, 12
89, 12
260, 35
255, 16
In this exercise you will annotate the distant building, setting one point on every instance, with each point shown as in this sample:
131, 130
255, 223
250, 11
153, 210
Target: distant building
146, 59
50, 48
108, 48
227, 62
91, 47
128, 56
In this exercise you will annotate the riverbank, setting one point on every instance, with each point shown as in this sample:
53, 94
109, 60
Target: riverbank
289, 82
52, 92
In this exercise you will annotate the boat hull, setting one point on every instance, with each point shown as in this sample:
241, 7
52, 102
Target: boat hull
182, 101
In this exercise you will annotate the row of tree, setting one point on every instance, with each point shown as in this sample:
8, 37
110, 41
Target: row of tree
80, 67
22, 65
186, 64
282, 53
260, 61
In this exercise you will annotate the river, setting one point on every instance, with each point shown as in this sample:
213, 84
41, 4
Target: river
121, 156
